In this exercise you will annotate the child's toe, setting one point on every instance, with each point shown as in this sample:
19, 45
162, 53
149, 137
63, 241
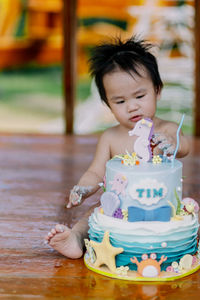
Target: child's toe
59, 228
53, 231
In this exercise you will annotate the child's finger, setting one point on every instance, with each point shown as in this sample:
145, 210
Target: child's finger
164, 145
170, 150
158, 138
74, 199
69, 205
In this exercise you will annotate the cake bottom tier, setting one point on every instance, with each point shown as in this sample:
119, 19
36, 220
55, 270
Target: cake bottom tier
173, 239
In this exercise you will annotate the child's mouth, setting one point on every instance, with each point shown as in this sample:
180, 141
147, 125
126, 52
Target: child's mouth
135, 119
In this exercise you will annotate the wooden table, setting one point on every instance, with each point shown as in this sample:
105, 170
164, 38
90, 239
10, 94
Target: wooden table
37, 173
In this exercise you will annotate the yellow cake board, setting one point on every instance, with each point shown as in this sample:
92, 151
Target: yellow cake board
132, 275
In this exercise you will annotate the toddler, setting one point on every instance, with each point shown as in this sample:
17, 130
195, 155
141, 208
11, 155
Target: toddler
128, 81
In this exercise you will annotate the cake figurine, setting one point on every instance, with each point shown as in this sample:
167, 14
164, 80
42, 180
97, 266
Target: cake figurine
148, 267
144, 230
144, 131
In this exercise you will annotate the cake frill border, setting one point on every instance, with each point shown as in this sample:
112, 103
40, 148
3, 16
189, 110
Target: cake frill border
103, 270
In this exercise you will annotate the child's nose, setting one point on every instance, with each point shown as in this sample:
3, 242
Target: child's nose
132, 105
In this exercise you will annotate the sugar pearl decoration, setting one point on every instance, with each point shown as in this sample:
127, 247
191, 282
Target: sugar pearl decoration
175, 265
179, 189
164, 244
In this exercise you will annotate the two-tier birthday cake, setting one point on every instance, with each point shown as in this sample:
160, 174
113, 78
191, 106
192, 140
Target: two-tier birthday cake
143, 230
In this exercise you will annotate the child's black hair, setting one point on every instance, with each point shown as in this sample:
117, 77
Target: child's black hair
128, 56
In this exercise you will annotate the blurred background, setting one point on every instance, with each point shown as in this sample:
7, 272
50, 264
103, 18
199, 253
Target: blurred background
31, 60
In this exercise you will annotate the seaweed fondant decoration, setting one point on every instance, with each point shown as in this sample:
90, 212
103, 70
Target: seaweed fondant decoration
110, 203
119, 184
144, 131
105, 253
148, 267
174, 214
103, 184
178, 209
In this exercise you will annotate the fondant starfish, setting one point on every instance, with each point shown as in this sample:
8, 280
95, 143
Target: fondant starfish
105, 253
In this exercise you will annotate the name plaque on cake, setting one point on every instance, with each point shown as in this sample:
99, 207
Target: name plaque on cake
148, 191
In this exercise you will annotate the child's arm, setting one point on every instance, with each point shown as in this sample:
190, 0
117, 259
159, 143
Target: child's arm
89, 182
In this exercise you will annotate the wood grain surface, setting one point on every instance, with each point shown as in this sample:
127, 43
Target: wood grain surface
36, 175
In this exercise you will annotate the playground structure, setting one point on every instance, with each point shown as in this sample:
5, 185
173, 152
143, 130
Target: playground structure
32, 30
63, 32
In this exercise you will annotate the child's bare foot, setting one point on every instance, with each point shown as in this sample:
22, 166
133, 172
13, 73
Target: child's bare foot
65, 241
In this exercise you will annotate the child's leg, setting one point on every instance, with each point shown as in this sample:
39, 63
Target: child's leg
70, 242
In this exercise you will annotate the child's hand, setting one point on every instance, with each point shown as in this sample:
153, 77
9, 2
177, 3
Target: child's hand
75, 197
165, 143
77, 194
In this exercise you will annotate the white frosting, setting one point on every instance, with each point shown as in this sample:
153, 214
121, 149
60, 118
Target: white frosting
148, 196
103, 222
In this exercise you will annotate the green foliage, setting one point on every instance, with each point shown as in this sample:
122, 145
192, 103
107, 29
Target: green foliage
178, 209
31, 80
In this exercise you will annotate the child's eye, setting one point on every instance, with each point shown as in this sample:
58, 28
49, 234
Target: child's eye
120, 102
140, 96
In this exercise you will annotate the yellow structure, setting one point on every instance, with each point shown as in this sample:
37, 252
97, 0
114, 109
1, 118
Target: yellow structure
41, 37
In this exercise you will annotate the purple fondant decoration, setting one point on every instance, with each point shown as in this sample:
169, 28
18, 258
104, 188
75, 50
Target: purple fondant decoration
119, 184
144, 130
110, 203
118, 214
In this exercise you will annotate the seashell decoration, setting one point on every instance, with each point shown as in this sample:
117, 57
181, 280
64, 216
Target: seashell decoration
110, 203
186, 262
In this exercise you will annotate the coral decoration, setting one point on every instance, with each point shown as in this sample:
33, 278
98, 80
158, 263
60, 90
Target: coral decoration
148, 267
156, 159
125, 214
190, 205
144, 131
90, 251
105, 253
119, 184
128, 159
110, 203
122, 271
184, 264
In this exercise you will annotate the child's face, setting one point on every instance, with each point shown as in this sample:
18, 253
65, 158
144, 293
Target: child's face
130, 98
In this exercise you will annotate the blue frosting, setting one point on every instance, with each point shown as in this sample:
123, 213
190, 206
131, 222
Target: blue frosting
145, 192
165, 180
136, 214
179, 241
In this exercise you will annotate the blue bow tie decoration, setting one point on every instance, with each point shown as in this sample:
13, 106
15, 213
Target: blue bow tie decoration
136, 214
